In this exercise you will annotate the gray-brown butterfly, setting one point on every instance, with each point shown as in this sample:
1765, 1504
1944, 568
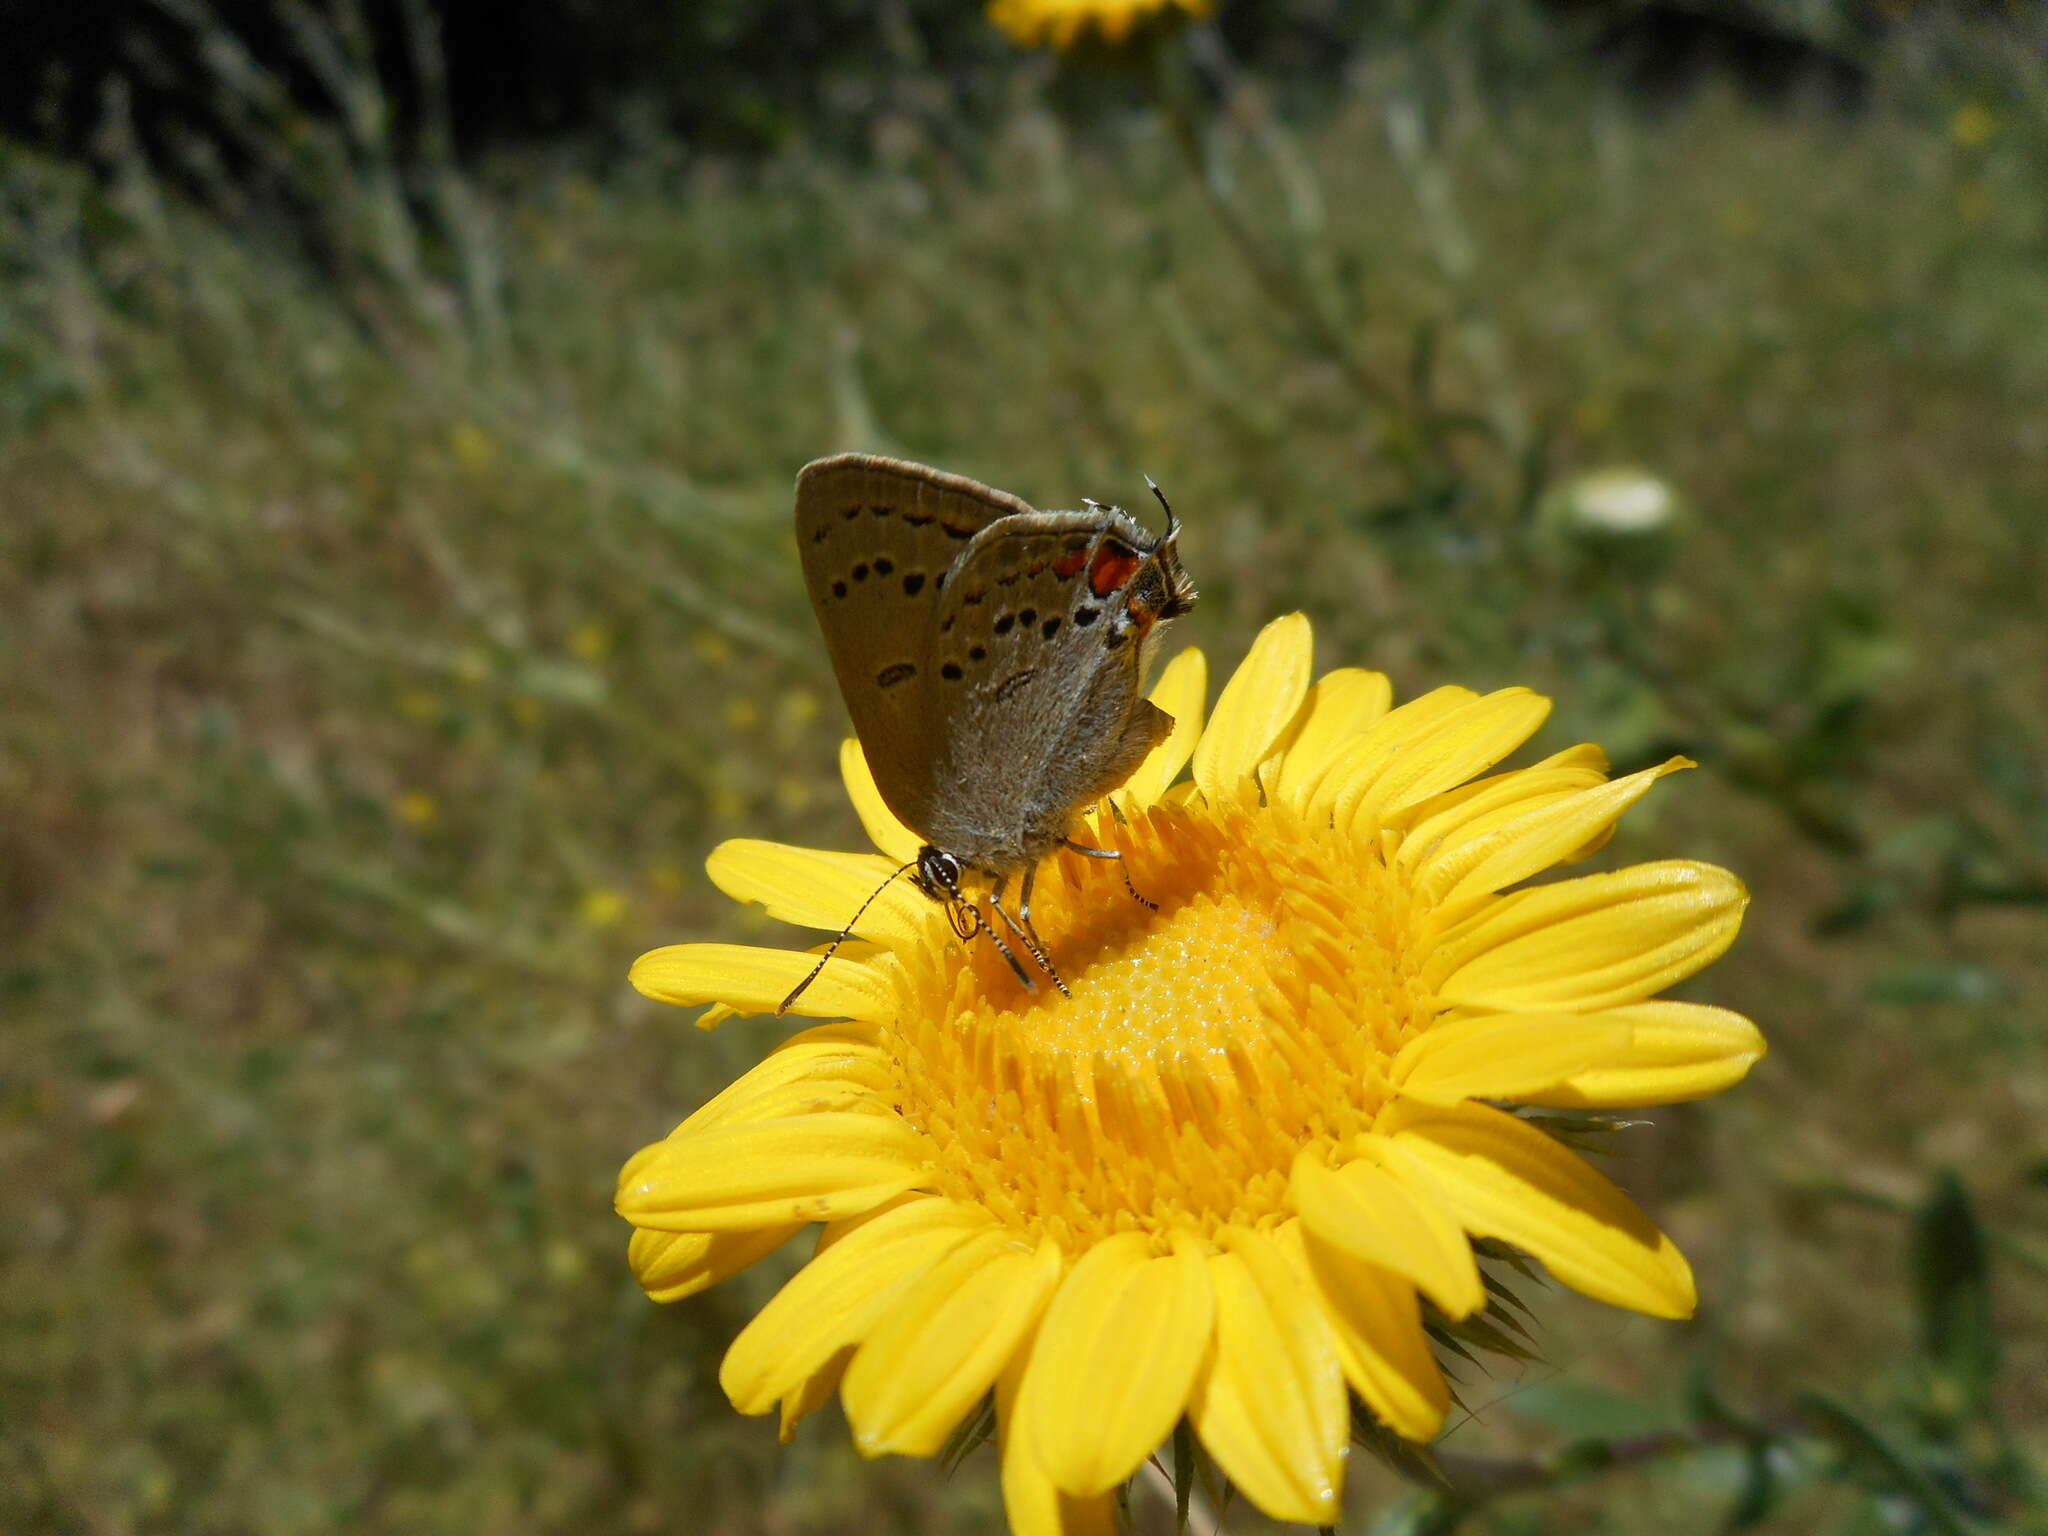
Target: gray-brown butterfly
991, 657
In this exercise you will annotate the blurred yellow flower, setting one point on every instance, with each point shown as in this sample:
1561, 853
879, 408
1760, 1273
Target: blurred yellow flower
472, 665
591, 642
602, 907
420, 706
417, 808
712, 648
472, 447
1972, 125
741, 713
800, 706
1061, 22
1217, 1180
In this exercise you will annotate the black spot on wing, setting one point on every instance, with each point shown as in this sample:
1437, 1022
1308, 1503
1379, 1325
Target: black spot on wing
884, 566
860, 572
913, 584
1005, 623
950, 672
1083, 617
890, 676
839, 589
1049, 628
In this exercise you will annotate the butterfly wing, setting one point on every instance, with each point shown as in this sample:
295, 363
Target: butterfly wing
1037, 659
875, 537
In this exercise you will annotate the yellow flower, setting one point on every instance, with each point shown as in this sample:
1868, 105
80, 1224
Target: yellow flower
472, 447
417, 808
1061, 22
1219, 1180
591, 642
1972, 125
601, 907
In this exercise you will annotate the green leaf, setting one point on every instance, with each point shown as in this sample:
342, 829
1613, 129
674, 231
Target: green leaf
1952, 1283
1864, 1445
1581, 1410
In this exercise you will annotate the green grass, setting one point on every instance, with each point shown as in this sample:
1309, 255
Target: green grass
384, 646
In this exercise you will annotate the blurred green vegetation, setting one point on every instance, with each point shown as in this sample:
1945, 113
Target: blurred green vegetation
389, 625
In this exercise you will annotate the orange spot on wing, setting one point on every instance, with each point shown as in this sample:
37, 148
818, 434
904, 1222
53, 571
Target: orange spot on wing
1114, 565
1070, 562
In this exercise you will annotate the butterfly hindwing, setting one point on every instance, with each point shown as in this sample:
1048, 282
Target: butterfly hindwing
1037, 666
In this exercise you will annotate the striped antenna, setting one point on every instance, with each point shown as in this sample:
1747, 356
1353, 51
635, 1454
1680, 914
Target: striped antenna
844, 934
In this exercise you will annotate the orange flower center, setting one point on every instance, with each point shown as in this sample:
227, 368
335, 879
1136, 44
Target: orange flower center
1204, 1045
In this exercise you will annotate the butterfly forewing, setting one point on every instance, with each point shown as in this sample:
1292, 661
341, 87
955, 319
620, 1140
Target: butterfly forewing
875, 537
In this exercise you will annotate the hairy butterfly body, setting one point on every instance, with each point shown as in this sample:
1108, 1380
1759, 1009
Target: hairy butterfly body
991, 656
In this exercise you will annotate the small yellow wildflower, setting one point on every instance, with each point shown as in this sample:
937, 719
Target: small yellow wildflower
1972, 125
1062, 22
420, 706
591, 642
712, 648
472, 665
741, 713
800, 706
417, 808
601, 907
1217, 1180
472, 447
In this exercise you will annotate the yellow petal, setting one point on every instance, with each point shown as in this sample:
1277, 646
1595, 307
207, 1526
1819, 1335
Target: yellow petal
1257, 704
1677, 1051
1499, 796
898, 843
1180, 691
1032, 1501
830, 1062
833, 1301
1493, 857
1269, 1403
946, 1337
1115, 1360
1368, 1211
1376, 1322
672, 1265
812, 1167
812, 1393
1360, 762
1342, 706
1508, 1180
754, 980
1506, 1055
1460, 744
820, 888
1596, 942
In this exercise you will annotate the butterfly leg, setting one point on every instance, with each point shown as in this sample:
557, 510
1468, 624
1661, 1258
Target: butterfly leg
973, 922
1121, 868
1023, 931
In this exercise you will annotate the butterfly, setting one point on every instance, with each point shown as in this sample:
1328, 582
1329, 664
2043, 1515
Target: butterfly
991, 656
